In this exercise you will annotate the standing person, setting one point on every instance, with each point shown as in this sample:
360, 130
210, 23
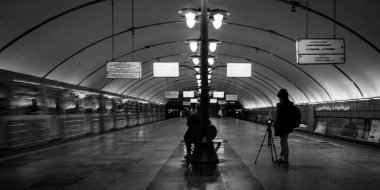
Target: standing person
282, 126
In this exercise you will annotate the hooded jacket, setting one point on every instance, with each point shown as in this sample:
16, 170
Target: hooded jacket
282, 123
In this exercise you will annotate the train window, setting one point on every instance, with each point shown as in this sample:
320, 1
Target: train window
25, 100
3, 100
132, 107
108, 105
95, 104
69, 105
51, 102
118, 107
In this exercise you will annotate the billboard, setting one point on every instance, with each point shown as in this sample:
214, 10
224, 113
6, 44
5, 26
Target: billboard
239, 69
218, 94
166, 69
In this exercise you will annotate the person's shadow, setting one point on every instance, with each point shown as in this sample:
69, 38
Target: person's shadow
203, 176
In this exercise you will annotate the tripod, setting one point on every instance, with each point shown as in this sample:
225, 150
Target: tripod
270, 141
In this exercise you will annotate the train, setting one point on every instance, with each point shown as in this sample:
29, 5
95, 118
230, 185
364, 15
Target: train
35, 111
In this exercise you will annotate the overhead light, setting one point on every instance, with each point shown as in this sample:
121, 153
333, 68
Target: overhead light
209, 76
197, 69
212, 44
209, 81
209, 70
198, 81
190, 14
198, 76
195, 59
193, 43
211, 59
218, 15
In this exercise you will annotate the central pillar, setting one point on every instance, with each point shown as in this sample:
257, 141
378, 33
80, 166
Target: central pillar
204, 151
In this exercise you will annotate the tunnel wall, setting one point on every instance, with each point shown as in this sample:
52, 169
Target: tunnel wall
352, 120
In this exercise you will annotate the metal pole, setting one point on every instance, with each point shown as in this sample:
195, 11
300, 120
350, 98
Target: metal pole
204, 64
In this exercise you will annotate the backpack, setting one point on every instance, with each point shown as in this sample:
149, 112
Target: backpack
295, 120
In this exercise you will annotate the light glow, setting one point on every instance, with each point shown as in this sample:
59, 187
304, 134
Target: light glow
217, 24
195, 60
210, 61
190, 16
197, 69
193, 46
212, 46
217, 17
198, 76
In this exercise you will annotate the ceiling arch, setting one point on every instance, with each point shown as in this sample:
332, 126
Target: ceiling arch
70, 41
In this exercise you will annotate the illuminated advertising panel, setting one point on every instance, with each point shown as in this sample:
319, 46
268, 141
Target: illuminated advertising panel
231, 97
218, 94
171, 94
213, 101
193, 100
188, 94
239, 69
222, 102
166, 69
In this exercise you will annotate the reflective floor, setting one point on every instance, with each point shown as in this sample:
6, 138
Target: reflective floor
151, 157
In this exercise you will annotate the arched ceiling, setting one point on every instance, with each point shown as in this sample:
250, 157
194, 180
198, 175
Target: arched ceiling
71, 40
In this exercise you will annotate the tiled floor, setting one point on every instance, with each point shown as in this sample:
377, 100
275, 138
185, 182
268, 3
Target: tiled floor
151, 157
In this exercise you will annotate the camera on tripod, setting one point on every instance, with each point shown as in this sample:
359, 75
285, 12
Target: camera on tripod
271, 145
269, 122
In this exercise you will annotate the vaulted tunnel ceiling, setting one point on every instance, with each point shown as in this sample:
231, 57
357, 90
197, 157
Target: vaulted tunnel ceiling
71, 40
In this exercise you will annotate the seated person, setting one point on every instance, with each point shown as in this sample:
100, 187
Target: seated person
195, 132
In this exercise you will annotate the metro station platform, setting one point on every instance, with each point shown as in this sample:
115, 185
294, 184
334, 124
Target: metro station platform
152, 157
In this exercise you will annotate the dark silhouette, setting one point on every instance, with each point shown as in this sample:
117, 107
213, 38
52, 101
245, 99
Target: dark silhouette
283, 126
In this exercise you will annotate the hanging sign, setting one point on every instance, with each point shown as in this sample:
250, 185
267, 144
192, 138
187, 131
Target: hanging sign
320, 51
131, 70
171, 94
239, 69
188, 94
186, 103
166, 69
193, 100
218, 94
231, 97
213, 101
222, 102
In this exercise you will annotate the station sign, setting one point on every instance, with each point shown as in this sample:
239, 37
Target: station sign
129, 70
186, 103
320, 51
171, 94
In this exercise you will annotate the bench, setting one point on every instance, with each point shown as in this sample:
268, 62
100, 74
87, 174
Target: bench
204, 147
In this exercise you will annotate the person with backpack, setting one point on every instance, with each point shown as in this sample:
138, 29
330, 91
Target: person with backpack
288, 117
